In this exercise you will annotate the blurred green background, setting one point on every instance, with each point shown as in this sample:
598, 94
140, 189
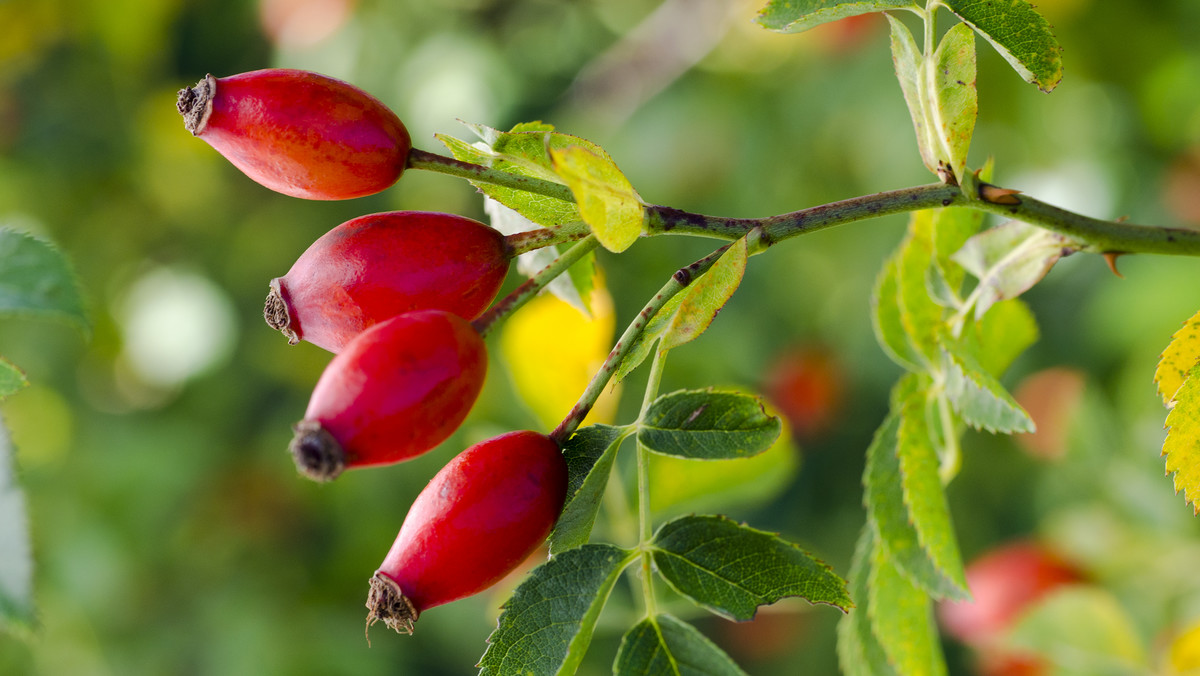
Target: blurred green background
171, 533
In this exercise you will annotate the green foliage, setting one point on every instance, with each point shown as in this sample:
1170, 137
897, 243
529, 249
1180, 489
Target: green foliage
36, 280
978, 397
547, 625
665, 646
708, 425
590, 454
794, 16
732, 569
905, 502
11, 378
1021, 35
1182, 447
691, 311
901, 617
607, 201
1008, 260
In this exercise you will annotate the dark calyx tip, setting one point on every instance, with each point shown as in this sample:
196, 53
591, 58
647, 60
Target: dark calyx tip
275, 311
195, 104
386, 602
317, 454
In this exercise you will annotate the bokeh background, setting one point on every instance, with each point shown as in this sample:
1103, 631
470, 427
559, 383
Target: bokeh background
171, 533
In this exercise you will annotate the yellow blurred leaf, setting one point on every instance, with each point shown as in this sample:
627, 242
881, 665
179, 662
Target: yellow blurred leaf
1179, 358
1184, 654
1182, 446
607, 201
553, 350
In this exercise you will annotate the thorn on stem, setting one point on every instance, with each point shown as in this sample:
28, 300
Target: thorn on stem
1110, 257
997, 195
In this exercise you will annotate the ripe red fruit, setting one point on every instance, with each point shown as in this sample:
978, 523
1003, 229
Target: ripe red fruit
397, 390
299, 133
375, 267
1004, 582
480, 517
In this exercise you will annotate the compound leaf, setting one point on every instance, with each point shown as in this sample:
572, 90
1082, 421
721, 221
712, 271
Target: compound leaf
1182, 447
607, 201
732, 569
859, 651
886, 318
16, 551
1021, 35
37, 280
708, 425
12, 379
1002, 335
547, 624
589, 454
664, 646
902, 619
919, 314
794, 16
913, 527
955, 99
1177, 360
1009, 259
978, 397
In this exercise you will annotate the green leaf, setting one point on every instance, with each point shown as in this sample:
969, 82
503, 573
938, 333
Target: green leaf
904, 497
12, 379
909, 64
607, 201
1021, 35
902, 619
886, 319
16, 550
919, 314
589, 454
1177, 360
978, 397
1182, 447
692, 310
732, 569
37, 280
547, 624
525, 150
794, 16
700, 302
859, 651
665, 646
1005, 332
681, 485
575, 287
1080, 630
955, 103
708, 425
1009, 259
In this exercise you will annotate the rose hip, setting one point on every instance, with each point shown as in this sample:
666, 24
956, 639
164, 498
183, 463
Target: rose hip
486, 511
299, 133
375, 267
396, 391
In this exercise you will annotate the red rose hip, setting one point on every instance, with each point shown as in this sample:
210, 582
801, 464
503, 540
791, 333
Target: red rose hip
375, 267
299, 133
397, 390
483, 514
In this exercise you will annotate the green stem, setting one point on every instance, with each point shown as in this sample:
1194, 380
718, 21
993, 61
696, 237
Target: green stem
531, 240
421, 159
682, 277
522, 294
643, 483
1090, 234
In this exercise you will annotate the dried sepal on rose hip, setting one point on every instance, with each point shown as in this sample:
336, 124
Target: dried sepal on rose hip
482, 515
299, 133
375, 267
396, 391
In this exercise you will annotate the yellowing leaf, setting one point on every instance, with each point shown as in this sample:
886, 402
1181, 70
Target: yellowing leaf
1182, 446
607, 201
1184, 654
1180, 356
552, 351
